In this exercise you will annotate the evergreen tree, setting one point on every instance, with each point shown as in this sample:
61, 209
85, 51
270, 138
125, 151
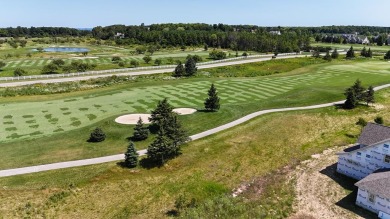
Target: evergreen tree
175, 132
160, 149
358, 90
387, 55
131, 156
335, 54
212, 102
379, 120
190, 67
161, 113
97, 135
364, 52
327, 56
351, 101
369, 53
350, 53
179, 70
140, 132
370, 95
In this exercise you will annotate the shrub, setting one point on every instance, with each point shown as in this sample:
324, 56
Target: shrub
19, 72
379, 120
97, 135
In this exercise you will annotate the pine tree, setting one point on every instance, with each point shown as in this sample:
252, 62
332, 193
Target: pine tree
140, 132
327, 56
161, 113
160, 149
179, 70
370, 95
387, 55
351, 101
212, 102
363, 52
335, 54
379, 120
190, 67
369, 53
131, 156
97, 135
350, 53
175, 132
358, 90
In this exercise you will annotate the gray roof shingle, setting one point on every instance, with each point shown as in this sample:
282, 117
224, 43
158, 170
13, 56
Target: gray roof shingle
377, 183
373, 133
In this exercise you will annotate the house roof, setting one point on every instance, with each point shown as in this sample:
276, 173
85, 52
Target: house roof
377, 183
373, 133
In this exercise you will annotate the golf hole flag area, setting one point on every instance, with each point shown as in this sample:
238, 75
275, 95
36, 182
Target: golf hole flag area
23, 120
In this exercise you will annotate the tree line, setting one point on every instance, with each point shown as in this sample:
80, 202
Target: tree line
42, 32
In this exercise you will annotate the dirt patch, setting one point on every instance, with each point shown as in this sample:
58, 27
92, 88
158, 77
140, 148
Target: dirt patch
320, 190
184, 111
132, 119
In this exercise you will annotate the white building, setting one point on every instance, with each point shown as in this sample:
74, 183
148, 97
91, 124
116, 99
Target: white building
374, 193
369, 162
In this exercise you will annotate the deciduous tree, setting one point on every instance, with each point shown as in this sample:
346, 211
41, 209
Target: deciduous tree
190, 67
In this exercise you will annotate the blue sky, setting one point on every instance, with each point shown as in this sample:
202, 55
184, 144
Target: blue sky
91, 13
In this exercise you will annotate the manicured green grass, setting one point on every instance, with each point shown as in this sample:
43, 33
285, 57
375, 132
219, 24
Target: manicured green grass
261, 151
68, 120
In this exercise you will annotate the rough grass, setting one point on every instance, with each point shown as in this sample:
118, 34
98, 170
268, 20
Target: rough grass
207, 171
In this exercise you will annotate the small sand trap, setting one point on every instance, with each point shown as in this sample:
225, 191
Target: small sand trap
184, 111
132, 119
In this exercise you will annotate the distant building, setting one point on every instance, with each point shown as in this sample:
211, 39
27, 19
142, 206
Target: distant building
119, 35
275, 32
369, 161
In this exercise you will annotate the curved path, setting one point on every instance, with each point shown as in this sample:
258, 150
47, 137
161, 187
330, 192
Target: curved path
98, 160
135, 73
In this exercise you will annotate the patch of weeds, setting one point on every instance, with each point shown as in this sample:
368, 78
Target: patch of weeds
36, 133
91, 117
48, 116
83, 109
28, 116
31, 121
7, 117
64, 109
67, 113
57, 197
34, 126
97, 106
8, 123
45, 111
10, 129
104, 111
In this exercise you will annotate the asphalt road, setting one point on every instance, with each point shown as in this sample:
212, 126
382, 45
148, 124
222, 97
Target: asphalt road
135, 73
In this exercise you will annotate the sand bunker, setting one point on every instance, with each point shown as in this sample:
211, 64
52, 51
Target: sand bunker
184, 111
132, 119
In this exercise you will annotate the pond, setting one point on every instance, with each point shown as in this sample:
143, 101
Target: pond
64, 49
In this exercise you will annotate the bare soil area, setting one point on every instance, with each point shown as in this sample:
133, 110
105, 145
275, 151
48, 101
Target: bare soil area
323, 193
